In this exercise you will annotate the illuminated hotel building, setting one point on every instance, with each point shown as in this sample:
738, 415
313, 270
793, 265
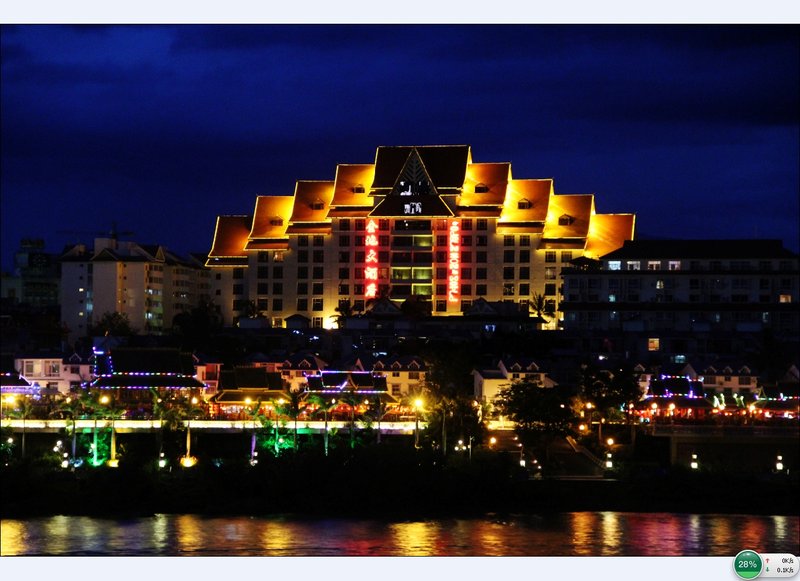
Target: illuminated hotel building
421, 222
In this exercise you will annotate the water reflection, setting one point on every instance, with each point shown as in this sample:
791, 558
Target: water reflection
583, 533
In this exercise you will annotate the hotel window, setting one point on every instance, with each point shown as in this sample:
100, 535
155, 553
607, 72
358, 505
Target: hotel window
480, 289
344, 240
316, 304
466, 290
566, 256
480, 273
318, 272
786, 284
524, 273
319, 256
550, 273
344, 289
466, 257
612, 298
481, 188
481, 241
508, 273
358, 189
508, 255
466, 224
302, 288
466, 273
358, 289
481, 257
785, 298
550, 289
659, 284
653, 344
302, 240
441, 305
441, 289
263, 272
633, 265
277, 256
277, 304
482, 224
524, 256
344, 273
524, 240
508, 289
524, 204
302, 272
302, 304
238, 273
344, 224
360, 224
263, 257
441, 240
316, 322
383, 240
441, 273
52, 369
508, 240
316, 288
550, 256
565, 220
466, 241
674, 264
614, 265
344, 257
302, 256
524, 289
383, 224
238, 289
653, 265
262, 288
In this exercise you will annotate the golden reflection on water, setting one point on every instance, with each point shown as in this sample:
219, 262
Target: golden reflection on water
413, 539
275, 538
13, 535
188, 533
611, 533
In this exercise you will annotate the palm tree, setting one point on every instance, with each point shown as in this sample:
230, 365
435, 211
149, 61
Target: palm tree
325, 405
73, 407
379, 410
351, 399
345, 310
293, 408
542, 307
24, 410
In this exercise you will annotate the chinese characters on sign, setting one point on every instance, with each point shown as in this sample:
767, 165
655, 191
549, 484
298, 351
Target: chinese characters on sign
371, 261
454, 261
412, 208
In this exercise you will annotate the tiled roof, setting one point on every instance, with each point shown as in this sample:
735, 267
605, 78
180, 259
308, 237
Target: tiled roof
535, 192
312, 201
493, 177
348, 178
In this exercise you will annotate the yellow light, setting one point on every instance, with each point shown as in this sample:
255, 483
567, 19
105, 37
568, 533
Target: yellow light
113, 463
589, 405
418, 403
654, 406
188, 461
610, 441
492, 440
582, 427
104, 399
194, 401
248, 401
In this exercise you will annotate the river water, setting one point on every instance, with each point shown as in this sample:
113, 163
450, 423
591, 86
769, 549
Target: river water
567, 534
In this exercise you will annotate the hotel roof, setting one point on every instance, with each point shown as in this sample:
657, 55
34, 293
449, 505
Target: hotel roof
312, 200
609, 231
445, 164
352, 184
568, 216
230, 237
485, 184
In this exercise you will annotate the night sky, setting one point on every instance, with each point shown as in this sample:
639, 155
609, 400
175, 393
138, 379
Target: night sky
696, 129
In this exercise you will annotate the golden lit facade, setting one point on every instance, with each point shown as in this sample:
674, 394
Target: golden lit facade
421, 222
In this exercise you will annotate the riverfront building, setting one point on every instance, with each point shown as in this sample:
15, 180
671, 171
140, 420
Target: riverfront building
420, 224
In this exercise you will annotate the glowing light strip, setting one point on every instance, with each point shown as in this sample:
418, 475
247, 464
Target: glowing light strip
371, 261
454, 262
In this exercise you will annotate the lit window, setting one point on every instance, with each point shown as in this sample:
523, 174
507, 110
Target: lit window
653, 344
614, 265
565, 220
524, 204
674, 264
653, 264
785, 298
633, 265
481, 188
